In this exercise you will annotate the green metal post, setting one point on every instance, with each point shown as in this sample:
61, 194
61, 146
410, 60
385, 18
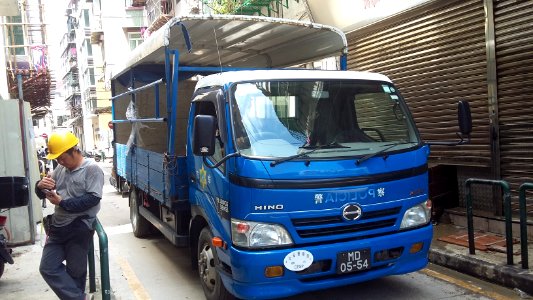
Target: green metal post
507, 212
104, 261
92, 277
508, 221
523, 221
469, 217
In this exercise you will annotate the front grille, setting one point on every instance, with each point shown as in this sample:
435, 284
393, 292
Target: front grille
333, 225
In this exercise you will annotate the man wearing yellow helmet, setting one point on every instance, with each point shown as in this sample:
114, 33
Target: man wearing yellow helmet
75, 189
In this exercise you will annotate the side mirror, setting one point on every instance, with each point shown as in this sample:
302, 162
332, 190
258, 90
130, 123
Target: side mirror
204, 135
465, 126
464, 118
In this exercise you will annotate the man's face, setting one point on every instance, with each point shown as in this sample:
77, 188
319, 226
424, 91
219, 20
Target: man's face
67, 160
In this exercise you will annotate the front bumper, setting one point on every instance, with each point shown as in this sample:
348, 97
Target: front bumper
247, 279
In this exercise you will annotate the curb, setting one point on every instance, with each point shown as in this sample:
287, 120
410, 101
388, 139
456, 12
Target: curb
509, 276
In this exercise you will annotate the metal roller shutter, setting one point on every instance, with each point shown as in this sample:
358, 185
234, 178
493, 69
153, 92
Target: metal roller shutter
436, 55
514, 58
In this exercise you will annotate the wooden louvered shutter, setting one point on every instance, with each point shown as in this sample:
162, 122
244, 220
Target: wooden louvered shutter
514, 60
436, 56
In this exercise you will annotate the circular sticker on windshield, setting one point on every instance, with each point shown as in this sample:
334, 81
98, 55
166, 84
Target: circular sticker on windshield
298, 260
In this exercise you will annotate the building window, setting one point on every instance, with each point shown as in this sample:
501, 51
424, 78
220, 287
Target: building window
86, 18
135, 39
91, 76
89, 47
61, 120
15, 36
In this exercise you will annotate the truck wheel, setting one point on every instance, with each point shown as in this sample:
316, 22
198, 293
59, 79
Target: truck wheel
141, 226
207, 261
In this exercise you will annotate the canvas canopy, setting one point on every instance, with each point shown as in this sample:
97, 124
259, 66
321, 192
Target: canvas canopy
237, 41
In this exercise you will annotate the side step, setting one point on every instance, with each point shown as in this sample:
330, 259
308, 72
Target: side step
167, 231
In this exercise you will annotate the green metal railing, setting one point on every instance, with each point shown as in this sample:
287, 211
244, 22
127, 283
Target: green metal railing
104, 263
507, 215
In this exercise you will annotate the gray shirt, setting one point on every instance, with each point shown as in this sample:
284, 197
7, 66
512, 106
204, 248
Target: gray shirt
88, 178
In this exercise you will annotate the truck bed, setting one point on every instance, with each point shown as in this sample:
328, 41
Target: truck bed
145, 169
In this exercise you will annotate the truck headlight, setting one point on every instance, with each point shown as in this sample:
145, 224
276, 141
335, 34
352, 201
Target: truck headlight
417, 215
258, 235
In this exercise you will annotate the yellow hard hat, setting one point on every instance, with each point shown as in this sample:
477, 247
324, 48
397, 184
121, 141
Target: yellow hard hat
59, 142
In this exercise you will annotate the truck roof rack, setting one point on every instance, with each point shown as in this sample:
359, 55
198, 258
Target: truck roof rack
237, 41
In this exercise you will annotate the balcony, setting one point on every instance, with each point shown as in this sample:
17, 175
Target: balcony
159, 12
72, 79
68, 40
97, 33
71, 92
72, 54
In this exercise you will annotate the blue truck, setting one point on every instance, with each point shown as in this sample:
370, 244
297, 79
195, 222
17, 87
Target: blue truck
280, 180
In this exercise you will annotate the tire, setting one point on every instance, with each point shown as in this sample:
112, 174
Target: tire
141, 227
212, 284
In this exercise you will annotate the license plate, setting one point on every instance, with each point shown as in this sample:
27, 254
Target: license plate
353, 261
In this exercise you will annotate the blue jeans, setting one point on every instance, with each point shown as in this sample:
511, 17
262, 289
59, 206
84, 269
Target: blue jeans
69, 243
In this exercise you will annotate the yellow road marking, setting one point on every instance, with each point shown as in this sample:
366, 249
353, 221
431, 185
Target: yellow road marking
137, 288
465, 285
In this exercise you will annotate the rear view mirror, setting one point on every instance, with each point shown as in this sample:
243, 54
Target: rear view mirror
464, 118
204, 135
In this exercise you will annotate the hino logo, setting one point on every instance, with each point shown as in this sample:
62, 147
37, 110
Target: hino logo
351, 212
269, 207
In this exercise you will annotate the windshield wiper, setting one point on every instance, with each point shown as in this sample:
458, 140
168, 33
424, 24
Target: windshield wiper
312, 149
374, 154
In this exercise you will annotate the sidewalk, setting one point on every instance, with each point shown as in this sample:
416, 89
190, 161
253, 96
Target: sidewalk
489, 264
22, 280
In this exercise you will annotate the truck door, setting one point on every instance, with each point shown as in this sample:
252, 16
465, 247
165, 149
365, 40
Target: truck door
210, 185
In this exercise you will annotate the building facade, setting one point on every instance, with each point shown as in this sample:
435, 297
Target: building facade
24, 55
81, 87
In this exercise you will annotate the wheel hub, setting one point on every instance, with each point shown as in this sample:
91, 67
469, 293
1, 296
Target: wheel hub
206, 267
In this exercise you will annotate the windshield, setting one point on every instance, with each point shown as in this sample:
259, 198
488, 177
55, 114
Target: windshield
276, 119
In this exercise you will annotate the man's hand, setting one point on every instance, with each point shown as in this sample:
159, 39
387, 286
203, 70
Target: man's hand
47, 183
53, 197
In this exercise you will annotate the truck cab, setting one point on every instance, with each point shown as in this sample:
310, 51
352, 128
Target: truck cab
325, 184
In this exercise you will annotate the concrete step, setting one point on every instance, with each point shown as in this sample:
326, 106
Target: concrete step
485, 222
